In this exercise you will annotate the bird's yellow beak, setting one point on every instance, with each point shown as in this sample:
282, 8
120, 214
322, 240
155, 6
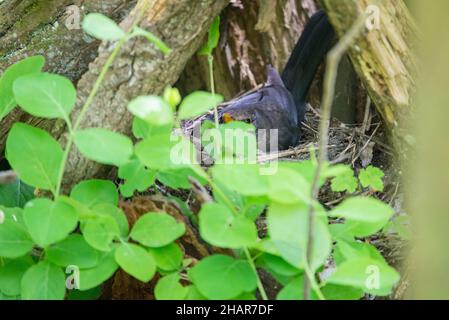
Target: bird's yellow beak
227, 118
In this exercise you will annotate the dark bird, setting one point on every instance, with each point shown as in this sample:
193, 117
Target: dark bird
281, 102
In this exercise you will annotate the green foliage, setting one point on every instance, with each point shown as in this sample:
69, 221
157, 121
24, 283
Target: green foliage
221, 228
364, 216
198, 103
87, 230
169, 288
344, 180
101, 27
104, 146
45, 95
34, 155
372, 177
15, 194
11, 274
212, 39
168, 258
152, 109
73, 250
43, 281
27, 66
93, 192
49, 221
208, 277
136, 261
14, 240
156, 230
136, 176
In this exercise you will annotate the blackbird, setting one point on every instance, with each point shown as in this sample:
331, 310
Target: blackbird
281, 102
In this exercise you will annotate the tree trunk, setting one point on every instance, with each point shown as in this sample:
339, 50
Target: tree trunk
139, 69
50, 28
383, 59
253, 34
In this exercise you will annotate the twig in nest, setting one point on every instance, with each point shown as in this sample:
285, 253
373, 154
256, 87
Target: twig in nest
7, 177
200, 192
291, 152
333, 60
365, 145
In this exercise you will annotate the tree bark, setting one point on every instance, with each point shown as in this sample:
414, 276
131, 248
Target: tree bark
384, 60
46, 27
139, 69
253, 34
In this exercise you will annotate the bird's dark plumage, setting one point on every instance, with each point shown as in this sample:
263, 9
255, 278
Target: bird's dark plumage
280, 103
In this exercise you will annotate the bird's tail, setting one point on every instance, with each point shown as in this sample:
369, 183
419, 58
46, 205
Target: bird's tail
314, 43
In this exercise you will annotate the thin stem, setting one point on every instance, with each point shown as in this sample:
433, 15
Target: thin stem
92, 95
333, 60
311, 278
253, 266
199, 170
210, 59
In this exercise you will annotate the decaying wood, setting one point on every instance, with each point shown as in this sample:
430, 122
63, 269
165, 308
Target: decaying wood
383, 58
253, 34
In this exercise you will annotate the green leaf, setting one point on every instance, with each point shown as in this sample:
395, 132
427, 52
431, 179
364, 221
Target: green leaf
194, 294
289, 187
277, 265
370, 275
73, 250
169, 288
136, 176
15, 194
243, 178
337, 292
172, 97
401, 226
294, 290
99, 232
107, 209
93, 192
49, 222
142, 129
43, 281
344, 180
349, 250
11, 275
136, 261
93, 277
287, 227
164, 153
364, 216
198, 103
26, 66
221, 277
156, 229
152, 109
45, 95
212, 39
34, 155
14, 240
372, 176
14, 215
168, 258
152, 38
104, 146
219, 227
179, 178
102, 27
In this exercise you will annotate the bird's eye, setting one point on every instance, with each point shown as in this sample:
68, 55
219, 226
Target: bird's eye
247, 121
